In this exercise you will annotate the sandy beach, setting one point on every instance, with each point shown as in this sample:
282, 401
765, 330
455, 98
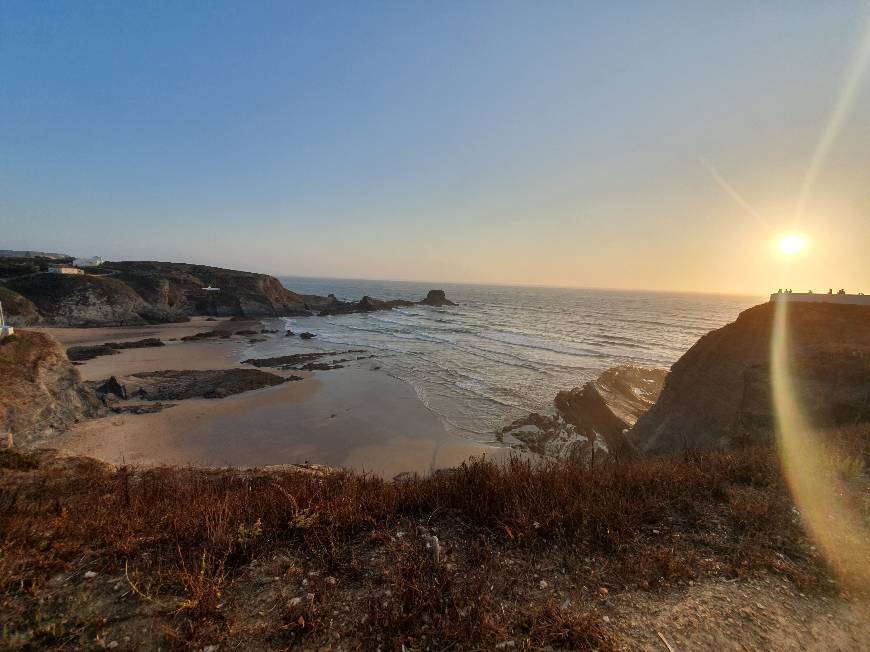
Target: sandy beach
354, 417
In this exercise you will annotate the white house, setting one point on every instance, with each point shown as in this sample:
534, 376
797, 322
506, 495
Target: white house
65, 269
95, 261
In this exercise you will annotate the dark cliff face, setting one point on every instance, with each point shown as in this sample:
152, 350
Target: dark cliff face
178, 287
718, 394
82, 300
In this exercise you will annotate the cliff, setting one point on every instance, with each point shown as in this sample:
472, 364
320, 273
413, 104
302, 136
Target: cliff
84, 300
40, 389
178, 288
130, 293
718, 394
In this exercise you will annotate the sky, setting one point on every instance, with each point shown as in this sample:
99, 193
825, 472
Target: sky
638, 145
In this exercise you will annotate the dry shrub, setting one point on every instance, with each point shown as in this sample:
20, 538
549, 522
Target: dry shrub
424, 603
551, 626
181, 532
753, 508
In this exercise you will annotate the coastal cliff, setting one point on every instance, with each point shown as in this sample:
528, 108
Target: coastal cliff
41, 389
178, 288
83, 300
131, 293
718, 395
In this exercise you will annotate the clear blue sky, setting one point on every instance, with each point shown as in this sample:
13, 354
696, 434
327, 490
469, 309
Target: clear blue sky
561, 143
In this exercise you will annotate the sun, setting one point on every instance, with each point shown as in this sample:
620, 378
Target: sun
791, 244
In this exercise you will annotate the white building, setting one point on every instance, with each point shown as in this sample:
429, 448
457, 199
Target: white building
65, 269
96, 261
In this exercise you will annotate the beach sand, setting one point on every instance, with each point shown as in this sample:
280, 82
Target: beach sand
356, 417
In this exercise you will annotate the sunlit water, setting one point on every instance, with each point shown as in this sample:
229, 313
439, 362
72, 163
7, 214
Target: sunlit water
505, 351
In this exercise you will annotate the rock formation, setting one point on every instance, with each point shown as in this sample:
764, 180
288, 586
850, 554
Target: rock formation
718, 394
219, 383
436, 298
595, 415
41, 390
89, 352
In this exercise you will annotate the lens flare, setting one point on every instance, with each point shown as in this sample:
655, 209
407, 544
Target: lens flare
791, 244
810, 468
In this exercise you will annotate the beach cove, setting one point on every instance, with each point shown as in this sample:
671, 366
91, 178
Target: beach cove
354, 417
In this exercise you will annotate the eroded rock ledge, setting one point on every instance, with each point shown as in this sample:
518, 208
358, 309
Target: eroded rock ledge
592, 417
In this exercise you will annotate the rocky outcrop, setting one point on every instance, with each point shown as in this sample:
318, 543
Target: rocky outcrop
18, 310
718, 395
366, 304
89, 352
41, 391
595, 415
219, 383
306, 361
436, 298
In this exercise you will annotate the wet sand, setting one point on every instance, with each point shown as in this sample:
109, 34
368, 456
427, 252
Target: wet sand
356, 417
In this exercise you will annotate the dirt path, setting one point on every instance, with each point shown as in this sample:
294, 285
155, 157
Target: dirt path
765, 614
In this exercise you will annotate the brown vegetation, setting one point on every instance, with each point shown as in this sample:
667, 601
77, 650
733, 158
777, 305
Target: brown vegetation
526, 552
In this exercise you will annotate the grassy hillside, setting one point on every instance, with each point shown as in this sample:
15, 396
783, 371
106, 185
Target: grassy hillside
529, 555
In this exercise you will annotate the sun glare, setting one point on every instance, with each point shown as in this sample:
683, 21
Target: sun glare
791, 244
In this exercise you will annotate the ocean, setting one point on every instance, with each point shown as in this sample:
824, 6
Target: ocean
503, 352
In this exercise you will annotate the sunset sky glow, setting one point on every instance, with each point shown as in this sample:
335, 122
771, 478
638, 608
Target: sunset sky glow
666, 146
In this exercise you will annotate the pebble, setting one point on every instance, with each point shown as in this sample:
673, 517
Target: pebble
89, 575
602, 591
294, 602
543, 584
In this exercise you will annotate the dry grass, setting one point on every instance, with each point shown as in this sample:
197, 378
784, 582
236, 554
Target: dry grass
186, 537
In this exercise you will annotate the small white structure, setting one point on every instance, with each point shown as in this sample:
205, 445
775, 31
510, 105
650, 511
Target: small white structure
65, 269
840, 296
210, 289
5, 329
96, 261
